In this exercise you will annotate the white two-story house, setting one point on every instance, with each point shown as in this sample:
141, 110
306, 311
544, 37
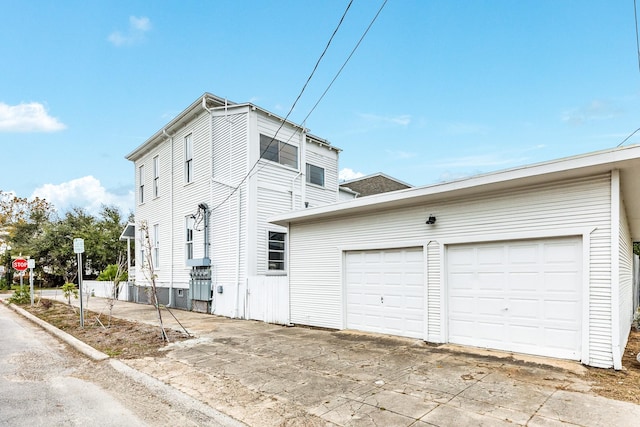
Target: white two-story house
206, 183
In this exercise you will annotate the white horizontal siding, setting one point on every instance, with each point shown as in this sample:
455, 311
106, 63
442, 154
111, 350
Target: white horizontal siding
626, 278
315, 247
328, 160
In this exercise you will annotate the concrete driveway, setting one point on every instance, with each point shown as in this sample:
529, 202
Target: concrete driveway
263, 375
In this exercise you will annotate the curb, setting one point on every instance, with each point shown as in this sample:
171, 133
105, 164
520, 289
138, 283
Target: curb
80, 346
215, 418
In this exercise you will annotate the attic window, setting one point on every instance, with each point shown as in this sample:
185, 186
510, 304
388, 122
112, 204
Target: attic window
278, 151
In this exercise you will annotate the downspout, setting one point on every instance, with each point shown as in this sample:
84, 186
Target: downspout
207, 213
170, 138
293, 190
238, 257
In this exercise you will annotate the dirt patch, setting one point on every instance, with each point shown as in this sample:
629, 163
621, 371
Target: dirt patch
121, 339
623, 384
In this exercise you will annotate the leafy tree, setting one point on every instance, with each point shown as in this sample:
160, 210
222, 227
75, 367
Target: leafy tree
68, 290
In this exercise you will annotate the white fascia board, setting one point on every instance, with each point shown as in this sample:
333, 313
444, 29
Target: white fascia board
591, 163
180, 118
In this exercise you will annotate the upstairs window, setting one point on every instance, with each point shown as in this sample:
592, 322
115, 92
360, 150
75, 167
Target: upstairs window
141, 184
278, 151
315, 175
276, 251
188, 159
156, 176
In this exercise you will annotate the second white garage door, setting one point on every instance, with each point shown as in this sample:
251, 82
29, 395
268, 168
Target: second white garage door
522, 296
385, 291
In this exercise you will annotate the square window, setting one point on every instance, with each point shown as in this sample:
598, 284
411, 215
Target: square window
315, 175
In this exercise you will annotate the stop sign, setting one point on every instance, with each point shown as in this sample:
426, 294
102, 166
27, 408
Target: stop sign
20, 264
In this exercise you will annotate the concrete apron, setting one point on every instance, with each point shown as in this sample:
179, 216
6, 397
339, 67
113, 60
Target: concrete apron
265, 374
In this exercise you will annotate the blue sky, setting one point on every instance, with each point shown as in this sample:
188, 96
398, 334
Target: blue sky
437, 90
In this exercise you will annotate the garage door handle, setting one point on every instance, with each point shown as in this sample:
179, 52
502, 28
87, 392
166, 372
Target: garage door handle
381, 300
505, 309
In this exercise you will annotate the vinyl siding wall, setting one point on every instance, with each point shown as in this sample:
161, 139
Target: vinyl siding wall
626, 278
316, 248
228, 233
328, 160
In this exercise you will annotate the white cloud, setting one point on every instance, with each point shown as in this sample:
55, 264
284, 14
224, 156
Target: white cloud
594, 111
27, 117
347, 174
87, 193
134, 34
402, 120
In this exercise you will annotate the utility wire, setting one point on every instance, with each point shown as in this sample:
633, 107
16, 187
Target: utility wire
290, 110
338, 73
635, 16
630, 135
347, 60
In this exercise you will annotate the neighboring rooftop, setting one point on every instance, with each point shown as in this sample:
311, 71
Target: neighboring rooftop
376, 183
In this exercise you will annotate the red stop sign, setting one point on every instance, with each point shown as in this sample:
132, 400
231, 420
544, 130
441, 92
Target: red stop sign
20, 264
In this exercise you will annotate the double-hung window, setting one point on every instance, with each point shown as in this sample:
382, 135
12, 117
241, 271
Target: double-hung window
156, 246
189, 237
315, 175
156, 176
188, 159
278, 151
276, 251
141, 184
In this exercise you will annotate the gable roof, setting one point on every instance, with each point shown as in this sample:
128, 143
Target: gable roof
208, 102
374, 184
625, 159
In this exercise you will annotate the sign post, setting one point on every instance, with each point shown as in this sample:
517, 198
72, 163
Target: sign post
78, 248
32, 264
20, 264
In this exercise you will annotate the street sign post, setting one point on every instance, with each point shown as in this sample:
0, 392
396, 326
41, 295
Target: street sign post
31, 263
20, 264
78, 248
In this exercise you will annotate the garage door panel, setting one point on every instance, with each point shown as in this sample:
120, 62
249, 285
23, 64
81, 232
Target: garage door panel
528, 301
490, 255
389, 298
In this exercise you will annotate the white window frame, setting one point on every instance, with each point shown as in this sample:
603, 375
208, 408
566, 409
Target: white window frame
279, 265
188, 159
141, 184
156, 245
188, 247
272, 149
309, 174
156, 176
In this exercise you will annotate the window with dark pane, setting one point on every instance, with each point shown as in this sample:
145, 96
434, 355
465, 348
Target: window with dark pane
315, 175
276, 251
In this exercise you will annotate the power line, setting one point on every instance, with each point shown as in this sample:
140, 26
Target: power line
635, 16
290, 110
630, 135
347, 60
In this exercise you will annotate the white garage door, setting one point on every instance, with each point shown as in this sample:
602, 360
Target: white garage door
385, 291
521, 296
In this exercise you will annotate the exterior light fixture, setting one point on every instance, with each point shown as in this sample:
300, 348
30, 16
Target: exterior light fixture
431, 220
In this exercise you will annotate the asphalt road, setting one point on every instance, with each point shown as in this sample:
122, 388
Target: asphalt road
45, 383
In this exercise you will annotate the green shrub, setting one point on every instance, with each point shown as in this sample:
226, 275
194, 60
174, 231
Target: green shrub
21, 296
69, 289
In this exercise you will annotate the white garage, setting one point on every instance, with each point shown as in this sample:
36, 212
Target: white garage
385, 291
522, 296
536, 259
